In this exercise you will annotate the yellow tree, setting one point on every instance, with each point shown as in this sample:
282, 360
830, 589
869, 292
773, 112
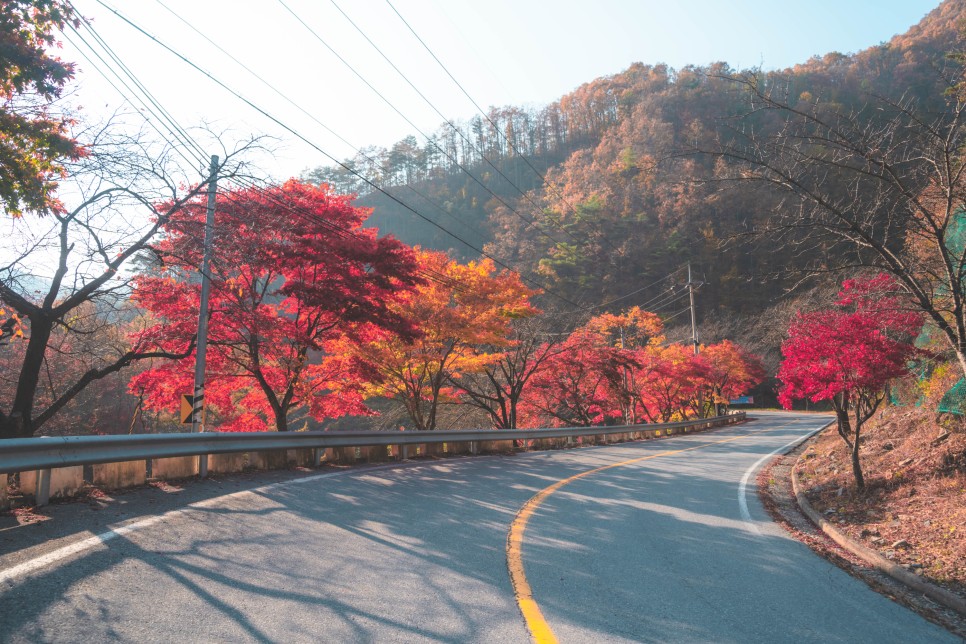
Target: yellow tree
462, 310
630, 329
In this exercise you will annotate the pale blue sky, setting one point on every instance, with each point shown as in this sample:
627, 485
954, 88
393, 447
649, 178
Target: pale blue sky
502, 51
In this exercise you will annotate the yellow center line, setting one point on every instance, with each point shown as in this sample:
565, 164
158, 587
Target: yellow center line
537, 624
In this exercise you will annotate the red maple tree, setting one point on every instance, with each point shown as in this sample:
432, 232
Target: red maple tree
847, 355
580, 386
293, 271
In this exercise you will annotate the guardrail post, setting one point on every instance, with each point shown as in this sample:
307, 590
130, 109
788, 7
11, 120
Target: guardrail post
474, 447
405, 452
43, 487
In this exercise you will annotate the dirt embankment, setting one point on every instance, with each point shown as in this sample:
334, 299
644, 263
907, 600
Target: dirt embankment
913, 510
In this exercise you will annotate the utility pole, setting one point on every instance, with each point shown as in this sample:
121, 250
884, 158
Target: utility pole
198, 402
694, 326
629, 410
694, 320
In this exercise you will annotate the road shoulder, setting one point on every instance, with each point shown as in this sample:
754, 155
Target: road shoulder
776, 491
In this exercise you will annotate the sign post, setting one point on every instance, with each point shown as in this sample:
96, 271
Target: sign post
187, 408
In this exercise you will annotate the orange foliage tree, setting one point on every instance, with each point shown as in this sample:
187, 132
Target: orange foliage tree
463, 312
668, 380
502, 383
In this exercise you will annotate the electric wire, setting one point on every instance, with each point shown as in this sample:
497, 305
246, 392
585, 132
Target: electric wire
314, 145
167, 119
635, 292
543, 179
152, 106
681, 312
456, 129
446, 120
177, 129
529, 221
417, 192
666, 301
311, 116
144, 105
429, 274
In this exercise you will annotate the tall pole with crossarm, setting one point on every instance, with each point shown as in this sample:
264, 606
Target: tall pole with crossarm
198, 402
694, 317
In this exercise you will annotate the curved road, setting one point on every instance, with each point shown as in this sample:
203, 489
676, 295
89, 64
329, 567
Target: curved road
659, 545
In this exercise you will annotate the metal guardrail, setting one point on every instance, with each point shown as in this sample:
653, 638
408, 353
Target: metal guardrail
26, 454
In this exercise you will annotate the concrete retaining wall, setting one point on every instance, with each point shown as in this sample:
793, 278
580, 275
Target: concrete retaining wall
377, 454
272, 460
499, 447
68, 481
178, 467
300, 457
113, 476
64, 482
227, 463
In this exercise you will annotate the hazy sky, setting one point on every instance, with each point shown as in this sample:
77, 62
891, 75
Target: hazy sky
501, 51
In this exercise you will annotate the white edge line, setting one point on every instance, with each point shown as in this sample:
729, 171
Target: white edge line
10, 575
743, 486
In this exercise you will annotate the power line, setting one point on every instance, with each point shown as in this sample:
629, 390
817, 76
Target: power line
196, 147
429, 274
667, 300
152, 106
543, 179
459, 132
643, 288
288, 99
527, 220
169, 122
681, 312
303, 138
310, 115
174, 132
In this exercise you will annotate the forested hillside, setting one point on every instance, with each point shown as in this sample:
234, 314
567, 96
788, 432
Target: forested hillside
629, 197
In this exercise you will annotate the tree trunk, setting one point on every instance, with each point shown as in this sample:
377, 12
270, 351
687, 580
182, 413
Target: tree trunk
856, 466
19, 422
860, 418
281, 420
843, 423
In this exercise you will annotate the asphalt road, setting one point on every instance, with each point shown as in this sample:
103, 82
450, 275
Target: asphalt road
658, 549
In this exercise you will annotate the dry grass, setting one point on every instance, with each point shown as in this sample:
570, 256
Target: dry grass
913, 510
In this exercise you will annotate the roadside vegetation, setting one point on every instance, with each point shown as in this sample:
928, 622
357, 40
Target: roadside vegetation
913, 509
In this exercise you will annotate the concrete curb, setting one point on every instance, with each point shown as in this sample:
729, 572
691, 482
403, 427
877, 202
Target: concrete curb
874, 559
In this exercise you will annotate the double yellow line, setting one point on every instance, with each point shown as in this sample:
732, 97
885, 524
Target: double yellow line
536, 622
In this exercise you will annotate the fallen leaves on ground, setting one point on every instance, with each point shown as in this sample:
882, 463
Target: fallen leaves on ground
913, 510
